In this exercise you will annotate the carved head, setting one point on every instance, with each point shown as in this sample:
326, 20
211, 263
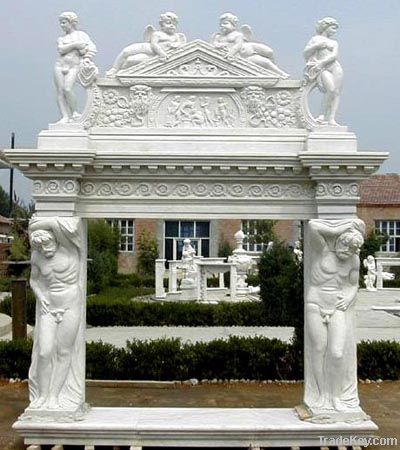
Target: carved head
228, 22
68, 20
44, 242
348, 244
168, 22
253, 96
325, 24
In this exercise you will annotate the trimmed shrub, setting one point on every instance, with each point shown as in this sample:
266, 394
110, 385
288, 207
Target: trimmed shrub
15, 358
256, 358
121, 311
5, 306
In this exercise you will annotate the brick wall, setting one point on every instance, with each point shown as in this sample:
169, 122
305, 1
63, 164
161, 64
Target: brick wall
371, 213
227, 229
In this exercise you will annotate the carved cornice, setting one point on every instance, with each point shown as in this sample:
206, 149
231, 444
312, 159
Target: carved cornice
335, 165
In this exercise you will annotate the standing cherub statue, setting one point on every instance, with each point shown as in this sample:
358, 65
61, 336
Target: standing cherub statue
156, 43
239, 43
75, 62
323, 67
370, 278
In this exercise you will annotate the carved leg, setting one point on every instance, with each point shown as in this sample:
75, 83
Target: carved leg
57, 447
34, 447
89, 447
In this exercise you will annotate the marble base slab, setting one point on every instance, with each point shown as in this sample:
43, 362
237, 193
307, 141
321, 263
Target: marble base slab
190, 427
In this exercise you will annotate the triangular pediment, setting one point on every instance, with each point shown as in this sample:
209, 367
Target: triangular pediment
197, 59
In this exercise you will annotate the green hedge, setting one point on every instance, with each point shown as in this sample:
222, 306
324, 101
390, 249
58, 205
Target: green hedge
236, 358
102, 311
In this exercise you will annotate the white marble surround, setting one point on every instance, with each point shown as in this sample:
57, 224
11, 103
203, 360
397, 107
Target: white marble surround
199, 130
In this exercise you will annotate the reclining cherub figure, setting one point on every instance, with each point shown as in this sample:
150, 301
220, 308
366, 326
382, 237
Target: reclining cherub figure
156, 43
238, 42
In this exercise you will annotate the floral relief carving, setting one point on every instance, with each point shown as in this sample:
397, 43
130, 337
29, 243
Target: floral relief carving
269, 110
123, 111
190, 190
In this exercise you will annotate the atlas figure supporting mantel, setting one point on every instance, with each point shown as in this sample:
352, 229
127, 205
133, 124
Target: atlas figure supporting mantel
56, 375
331, 290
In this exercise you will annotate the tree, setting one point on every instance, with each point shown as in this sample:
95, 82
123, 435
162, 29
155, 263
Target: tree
147, 253
103, 248
260, 231
281, 286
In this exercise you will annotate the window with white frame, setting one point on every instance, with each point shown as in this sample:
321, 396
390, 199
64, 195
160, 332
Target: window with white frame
126, 228
176, 231
249, 228
392, 229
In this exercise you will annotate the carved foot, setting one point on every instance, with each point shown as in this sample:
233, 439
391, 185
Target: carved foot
338, 404
111, 73
38, 403
75, 117
53, 403
63, 120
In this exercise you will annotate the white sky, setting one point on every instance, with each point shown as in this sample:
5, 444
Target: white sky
369, 39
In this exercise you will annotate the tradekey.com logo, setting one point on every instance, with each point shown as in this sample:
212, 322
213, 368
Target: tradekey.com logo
343, 441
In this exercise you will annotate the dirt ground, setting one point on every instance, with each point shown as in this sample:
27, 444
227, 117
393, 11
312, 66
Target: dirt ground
381, 401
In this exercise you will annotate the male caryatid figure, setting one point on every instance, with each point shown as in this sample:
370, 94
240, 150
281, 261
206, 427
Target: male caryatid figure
57, 372
156, 43
331, 285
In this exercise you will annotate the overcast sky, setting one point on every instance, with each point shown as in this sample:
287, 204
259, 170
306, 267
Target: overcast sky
369, 40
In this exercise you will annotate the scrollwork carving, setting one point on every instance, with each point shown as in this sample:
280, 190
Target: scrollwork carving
56, 187
196, 190
337, 190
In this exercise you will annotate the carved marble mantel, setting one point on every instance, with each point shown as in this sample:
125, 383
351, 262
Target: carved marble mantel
196, 136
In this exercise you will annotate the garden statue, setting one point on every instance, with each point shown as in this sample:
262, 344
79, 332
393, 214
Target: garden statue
238, 42
156, 43
243, 262
298, 253
323, 68
75, 63
370, 279
331, 291
57, 372
189, 268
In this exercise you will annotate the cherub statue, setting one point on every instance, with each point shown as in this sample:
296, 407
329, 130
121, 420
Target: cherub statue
238, 42
370, 278
323, 67
75, 63
156, 43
